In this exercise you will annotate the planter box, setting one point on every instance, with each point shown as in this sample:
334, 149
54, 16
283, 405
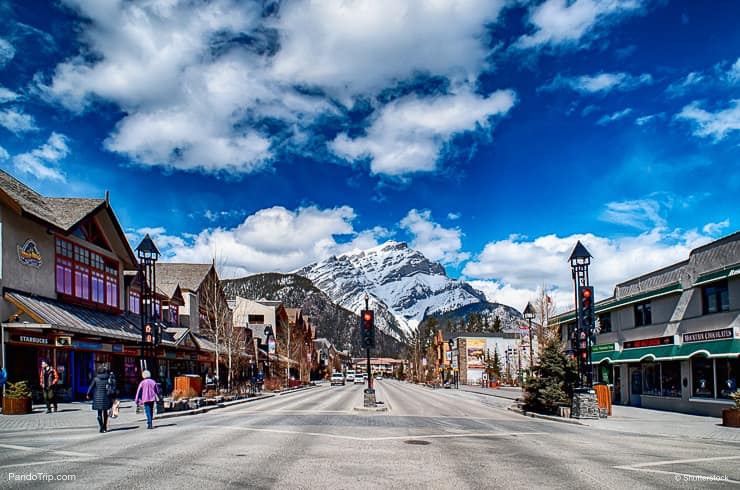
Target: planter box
16, 406
731, 417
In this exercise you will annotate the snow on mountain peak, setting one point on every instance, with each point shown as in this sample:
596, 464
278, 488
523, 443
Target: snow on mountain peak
402, 281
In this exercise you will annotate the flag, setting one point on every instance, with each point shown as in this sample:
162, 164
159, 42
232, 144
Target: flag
549, 300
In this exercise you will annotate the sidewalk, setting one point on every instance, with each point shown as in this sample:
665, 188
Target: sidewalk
636, 420
77, 415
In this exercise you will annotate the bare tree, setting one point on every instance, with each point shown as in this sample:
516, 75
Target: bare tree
545, 309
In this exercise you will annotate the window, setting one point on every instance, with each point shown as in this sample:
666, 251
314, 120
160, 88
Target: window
670, 378
174, 316
715, 298
258, 319
85, 275
702, 377
605, 322
727, 371
651, 379
134, 302
642, 314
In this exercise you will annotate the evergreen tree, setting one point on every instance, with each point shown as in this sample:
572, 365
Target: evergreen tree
486, 324
553, 385
496, 364
497, 324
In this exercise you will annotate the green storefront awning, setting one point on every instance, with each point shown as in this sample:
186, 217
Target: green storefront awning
712, 348
611, 356
657, 353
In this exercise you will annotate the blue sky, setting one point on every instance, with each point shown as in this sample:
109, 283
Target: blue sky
491, 135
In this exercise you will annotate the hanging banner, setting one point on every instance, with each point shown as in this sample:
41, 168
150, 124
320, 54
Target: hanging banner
271, 345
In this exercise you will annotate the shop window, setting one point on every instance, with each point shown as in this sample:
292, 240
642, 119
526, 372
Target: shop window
670, 378
605, 322
715, 298
643, 315
702, 377
651, 379
134, 302
727, 371
85, 275
258, 319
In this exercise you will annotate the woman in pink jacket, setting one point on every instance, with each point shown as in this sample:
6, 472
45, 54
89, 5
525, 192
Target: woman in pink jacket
147, 394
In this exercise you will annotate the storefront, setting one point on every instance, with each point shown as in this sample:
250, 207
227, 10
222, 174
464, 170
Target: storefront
693, 373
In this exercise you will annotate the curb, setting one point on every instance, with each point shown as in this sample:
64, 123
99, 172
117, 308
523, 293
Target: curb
368, 409
546, 417
208, 408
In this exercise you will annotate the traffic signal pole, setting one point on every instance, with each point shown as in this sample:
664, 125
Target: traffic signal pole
367, 327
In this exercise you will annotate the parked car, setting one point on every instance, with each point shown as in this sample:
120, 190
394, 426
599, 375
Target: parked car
359, 379
338, 379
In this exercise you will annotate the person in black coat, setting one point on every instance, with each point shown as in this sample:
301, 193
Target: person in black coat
101, 388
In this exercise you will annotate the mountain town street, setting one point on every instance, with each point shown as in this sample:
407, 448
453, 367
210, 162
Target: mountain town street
316, 438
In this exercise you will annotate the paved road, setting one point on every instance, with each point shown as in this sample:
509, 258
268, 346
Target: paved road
315, 439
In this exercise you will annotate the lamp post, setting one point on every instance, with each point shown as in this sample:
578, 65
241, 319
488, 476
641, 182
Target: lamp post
151, 337
270, 341
453, 357
529, 314
580, 259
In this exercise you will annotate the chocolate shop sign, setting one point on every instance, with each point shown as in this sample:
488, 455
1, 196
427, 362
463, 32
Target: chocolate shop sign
722, 333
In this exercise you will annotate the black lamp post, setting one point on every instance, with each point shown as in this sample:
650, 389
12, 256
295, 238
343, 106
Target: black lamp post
268, 335
580, 259
151, 336
529, 314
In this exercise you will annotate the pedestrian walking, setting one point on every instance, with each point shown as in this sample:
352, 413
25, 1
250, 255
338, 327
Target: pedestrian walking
113, 393
101, 389
146, 394
3, 376
48, 378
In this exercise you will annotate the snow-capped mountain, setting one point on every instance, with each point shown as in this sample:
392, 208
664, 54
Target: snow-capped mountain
404, 286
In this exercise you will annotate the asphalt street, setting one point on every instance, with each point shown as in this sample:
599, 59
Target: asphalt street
316, 439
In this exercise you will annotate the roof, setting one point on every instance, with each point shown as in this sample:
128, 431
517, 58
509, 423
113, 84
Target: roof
187, 276
75, 319
62, 212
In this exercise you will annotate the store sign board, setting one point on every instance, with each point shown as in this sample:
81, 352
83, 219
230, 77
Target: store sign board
28, 254
604, 348
28, 339
719, 334
636, 344
81, 344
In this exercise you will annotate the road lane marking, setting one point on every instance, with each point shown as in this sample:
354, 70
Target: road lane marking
648, 467
40, 449
380, 438
676, 461
37, 463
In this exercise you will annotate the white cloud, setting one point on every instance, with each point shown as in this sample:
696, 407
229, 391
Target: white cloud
4, 155
715, 229
194, 79
7, 95
562, 22
600, 83
609, 118
643, 214
42, 162
679, 88
271, 240
17, 122
438, 244
453, 216
407, 135
517, 266
642, 121
363, 46
7, 52
716, 125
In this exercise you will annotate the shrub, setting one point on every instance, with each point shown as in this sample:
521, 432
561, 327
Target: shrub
17, 390
273, 383
736, 398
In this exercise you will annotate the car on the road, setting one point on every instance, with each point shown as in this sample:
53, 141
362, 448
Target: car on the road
359, 379
378, 376
350, 376
338, 379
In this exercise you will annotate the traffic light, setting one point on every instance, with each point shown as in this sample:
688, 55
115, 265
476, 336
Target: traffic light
367, 328
586, 306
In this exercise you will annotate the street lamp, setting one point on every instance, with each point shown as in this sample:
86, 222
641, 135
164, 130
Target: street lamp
148, 254
580, 259
529, 314
270, 341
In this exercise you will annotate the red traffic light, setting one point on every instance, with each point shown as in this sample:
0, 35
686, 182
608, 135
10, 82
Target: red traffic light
586, 292
367, 319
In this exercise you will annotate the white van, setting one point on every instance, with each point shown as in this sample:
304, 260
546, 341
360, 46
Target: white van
350, 376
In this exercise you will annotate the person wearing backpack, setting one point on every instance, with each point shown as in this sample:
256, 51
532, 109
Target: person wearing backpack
100, 388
